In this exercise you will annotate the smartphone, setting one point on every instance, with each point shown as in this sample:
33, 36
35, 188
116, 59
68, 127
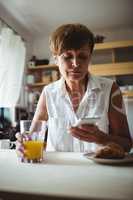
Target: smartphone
87, 120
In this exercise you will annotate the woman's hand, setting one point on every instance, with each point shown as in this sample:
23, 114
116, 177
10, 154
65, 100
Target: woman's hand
88, 133
20, 150
19, 146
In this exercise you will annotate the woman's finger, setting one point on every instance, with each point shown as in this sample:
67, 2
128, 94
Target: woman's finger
19, 153
19, 137
89, 128
84, 135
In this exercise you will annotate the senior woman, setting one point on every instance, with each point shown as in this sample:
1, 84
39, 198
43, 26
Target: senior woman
79, 94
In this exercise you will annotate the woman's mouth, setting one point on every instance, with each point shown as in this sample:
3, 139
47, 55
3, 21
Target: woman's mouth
74, 72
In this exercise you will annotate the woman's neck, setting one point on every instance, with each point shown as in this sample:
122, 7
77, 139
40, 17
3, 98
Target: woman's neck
76, 91
77, 86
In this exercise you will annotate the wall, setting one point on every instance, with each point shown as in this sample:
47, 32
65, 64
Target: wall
117, 34
41, 48
24, 33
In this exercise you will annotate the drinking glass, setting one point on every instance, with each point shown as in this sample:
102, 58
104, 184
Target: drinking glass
33, 139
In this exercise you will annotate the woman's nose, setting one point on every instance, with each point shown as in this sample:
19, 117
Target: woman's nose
75, 62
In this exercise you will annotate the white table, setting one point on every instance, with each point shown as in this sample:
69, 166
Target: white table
69, 175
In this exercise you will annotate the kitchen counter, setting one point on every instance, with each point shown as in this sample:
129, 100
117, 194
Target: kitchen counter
63, 175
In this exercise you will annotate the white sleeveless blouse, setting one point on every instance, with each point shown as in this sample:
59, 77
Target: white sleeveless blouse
61, 114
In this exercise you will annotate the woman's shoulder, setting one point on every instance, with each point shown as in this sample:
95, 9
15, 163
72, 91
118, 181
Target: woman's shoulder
52, 86
101, 81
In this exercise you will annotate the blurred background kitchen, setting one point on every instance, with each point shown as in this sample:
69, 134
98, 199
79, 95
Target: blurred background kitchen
26, 65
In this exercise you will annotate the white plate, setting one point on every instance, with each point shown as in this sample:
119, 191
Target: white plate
128, 159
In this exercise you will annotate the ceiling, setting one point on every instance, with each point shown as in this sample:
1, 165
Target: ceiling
40, 17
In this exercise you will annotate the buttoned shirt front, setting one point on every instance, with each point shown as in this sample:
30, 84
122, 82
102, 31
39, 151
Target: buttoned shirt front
61, 115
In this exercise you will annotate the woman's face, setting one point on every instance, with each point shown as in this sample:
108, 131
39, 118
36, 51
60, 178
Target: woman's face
73, 64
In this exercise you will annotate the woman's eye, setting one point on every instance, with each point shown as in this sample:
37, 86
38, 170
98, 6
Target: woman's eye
67, 57
83, 57
70, 57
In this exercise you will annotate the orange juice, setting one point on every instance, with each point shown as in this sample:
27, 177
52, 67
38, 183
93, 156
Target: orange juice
34, 149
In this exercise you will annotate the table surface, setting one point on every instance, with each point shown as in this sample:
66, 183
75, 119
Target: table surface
65, 174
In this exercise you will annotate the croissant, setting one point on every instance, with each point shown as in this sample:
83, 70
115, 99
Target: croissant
110, 151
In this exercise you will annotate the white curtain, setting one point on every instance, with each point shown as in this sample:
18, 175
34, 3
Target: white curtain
12, 61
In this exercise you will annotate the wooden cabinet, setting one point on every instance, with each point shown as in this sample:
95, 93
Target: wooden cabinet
109, 59
114, 59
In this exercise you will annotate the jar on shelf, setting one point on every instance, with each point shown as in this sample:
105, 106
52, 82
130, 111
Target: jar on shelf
30, 79
32, 62
37, 76
46, 76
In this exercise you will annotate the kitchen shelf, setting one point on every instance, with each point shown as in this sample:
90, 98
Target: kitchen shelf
42, 67
127, 93
43, 74
123, 68
113, 45
114, 59
35, 85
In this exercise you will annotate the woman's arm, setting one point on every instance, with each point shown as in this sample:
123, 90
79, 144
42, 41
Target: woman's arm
41, 110
118, 125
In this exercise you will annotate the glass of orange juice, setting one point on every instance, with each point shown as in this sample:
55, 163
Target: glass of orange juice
33, 139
